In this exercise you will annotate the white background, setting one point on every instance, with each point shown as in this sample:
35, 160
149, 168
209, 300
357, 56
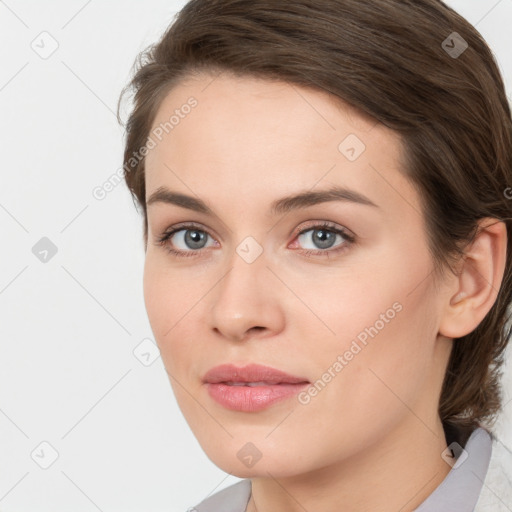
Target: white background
68, 327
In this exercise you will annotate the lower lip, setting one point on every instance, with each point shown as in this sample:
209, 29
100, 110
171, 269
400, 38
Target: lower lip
252, 398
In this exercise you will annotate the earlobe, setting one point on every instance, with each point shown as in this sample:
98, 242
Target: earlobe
476, 287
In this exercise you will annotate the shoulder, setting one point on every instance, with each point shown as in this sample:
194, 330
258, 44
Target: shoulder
496, 493
231, 499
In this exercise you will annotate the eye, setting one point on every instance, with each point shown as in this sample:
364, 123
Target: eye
323, 236
192, 239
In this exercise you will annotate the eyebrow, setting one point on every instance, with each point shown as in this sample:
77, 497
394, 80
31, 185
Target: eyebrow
278, 207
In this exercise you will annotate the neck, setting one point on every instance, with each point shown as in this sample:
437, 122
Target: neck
396, 473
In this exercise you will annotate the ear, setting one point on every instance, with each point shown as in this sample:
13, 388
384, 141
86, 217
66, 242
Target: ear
473, 291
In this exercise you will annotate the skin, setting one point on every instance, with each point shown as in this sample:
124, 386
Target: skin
356, 444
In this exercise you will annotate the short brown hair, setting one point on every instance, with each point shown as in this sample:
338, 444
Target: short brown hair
389, 59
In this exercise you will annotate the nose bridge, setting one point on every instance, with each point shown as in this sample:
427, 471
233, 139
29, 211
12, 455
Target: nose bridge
247, 269
244, 297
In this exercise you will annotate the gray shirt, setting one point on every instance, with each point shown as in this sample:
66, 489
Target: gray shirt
458, 492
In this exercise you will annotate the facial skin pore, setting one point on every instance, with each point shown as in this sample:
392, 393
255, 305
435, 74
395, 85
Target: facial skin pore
371, 438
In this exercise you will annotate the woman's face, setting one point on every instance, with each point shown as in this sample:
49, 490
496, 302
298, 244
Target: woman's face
336, 290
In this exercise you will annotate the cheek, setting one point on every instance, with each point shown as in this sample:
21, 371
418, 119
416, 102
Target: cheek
168, 296
382, 375
171, 300
157, 298
164, 308
381, 339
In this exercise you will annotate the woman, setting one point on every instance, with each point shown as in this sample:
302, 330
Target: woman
324, 185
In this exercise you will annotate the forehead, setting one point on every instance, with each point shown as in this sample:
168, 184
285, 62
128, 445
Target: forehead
263, 139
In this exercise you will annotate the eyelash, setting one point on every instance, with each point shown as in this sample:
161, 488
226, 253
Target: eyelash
326, 226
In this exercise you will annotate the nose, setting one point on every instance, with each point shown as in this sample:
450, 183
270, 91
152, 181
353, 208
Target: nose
246, 301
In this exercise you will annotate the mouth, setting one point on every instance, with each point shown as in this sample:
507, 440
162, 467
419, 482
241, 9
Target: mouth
251, 388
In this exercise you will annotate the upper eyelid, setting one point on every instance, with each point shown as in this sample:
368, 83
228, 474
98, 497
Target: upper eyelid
311, 225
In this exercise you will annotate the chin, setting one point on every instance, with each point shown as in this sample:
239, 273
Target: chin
246, 460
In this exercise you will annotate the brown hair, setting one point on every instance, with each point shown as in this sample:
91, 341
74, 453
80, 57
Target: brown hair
391, 60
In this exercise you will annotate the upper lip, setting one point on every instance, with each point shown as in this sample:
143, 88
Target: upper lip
250, 373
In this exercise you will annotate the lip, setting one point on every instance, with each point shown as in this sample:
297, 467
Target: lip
273, 386
250, 373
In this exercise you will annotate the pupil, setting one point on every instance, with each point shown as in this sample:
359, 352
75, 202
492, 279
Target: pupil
194, 237
323, 236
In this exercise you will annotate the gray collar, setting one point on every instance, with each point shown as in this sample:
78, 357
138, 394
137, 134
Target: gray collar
461, 487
